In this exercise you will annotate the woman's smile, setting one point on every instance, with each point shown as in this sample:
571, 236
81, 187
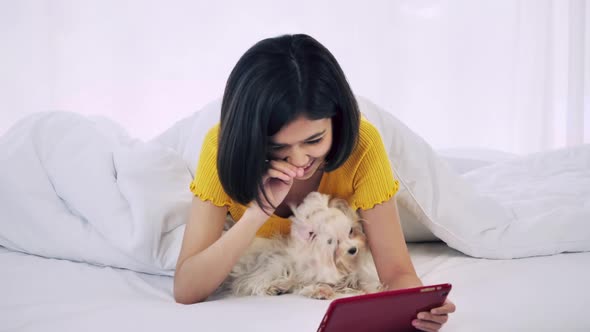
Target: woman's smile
307, 168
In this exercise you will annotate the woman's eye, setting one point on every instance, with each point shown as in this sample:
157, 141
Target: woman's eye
315, 141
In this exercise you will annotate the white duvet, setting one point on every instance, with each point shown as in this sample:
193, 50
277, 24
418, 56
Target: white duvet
79, 188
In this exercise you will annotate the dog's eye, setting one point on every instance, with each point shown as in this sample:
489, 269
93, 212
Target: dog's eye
330, 241
350, 233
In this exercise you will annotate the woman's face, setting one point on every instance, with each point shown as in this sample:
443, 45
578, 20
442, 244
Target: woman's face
303, 143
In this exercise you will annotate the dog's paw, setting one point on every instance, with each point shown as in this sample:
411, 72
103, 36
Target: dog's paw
279, 288
352, 291
320, 292
323, 293
275, 290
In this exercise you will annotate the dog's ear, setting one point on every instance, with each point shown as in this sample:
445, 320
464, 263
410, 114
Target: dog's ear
316, 197
357, 228
343, 206
301, 230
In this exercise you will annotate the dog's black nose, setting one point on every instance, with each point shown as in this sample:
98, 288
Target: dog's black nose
352, 251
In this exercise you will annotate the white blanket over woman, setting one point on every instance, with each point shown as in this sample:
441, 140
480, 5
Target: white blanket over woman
78, 188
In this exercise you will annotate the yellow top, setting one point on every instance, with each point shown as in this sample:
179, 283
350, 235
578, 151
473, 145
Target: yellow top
364, 180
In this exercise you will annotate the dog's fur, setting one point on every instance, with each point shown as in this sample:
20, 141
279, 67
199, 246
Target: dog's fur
325, 256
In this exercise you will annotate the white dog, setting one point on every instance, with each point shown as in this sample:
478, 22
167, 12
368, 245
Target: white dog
325, 256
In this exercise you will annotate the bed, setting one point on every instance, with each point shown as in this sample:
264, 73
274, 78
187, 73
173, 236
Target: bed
69, 264
532, 294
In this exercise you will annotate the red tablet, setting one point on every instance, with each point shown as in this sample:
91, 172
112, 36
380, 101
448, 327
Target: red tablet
385, 311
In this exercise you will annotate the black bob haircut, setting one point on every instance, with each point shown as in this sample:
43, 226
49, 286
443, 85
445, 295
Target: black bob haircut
274, 82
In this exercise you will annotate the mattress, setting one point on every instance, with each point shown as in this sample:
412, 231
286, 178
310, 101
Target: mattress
546, 293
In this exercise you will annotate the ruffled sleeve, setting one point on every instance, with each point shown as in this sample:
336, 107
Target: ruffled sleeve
206, 184
374, 182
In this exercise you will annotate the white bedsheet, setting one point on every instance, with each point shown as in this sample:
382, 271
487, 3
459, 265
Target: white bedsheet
531, 294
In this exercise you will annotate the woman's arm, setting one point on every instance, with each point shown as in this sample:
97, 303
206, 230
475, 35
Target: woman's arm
388, 246
206, 257
394, 266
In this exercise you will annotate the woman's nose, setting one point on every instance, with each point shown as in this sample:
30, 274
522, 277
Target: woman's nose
298, 159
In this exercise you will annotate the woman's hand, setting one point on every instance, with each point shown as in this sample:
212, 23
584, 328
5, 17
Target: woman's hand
277, 182
432, 321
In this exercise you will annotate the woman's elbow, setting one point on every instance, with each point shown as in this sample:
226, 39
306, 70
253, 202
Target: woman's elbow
185, 300
183, 294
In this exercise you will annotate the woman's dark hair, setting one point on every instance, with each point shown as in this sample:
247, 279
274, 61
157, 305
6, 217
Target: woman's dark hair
274, 82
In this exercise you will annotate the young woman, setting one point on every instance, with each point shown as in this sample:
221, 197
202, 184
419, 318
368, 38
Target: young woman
289, 125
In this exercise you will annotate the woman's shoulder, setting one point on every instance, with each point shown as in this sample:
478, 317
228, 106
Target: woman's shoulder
212, 135
368, 139
208, 155
363, 170
368, 134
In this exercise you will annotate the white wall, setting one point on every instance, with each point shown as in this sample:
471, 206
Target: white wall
456, 72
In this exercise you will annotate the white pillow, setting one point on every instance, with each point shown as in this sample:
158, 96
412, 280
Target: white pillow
186, 135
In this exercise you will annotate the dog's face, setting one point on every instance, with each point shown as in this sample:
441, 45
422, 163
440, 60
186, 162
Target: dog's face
352, 241
331, 230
